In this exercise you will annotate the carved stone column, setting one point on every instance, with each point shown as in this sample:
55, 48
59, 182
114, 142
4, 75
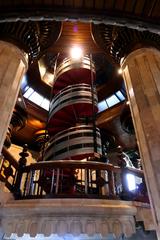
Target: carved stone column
141, 71
13, 65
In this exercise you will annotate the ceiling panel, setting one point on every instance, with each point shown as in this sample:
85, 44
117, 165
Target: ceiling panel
156, 9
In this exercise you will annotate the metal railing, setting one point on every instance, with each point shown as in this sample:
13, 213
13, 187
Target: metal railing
74, 94
68, 64
76, 140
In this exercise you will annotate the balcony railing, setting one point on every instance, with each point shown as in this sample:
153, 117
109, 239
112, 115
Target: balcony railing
80, 179
72, 179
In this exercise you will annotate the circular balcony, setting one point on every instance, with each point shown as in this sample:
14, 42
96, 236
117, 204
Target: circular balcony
70, 72
74, 143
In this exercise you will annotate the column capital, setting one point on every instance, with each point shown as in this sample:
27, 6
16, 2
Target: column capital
139, 53
19, 53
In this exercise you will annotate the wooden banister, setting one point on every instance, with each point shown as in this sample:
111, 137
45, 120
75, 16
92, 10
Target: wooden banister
8, 156
72, 164
9, 169
64, 178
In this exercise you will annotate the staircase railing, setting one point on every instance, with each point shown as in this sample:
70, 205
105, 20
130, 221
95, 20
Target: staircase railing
8, 169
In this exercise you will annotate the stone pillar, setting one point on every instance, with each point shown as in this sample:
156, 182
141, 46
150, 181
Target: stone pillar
141, 72
13, 65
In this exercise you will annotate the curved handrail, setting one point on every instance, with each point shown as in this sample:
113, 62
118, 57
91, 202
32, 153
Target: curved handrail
72, 129
7, 155
68, 63
83, 164
71, 88
72, 163
77, 91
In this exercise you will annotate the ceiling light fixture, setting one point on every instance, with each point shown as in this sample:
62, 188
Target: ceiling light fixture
120, 71
76, 53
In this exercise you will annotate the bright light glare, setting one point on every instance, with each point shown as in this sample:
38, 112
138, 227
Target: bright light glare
76, 53
131, 181
120, 71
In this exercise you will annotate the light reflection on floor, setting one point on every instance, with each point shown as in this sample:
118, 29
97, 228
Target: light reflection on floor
56, 237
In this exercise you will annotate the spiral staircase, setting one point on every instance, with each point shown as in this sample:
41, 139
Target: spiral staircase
71, 122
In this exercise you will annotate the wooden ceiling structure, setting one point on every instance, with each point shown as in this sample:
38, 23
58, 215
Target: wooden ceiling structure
76, 16
144, 13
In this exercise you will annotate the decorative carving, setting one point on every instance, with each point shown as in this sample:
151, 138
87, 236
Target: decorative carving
117, 228
70, 225
104, 228
34, 228
128, 228
90, 227
76, 227
100, 218
47, 228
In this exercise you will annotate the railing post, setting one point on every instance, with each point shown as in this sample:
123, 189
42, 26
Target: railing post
1, 161
22, 164
111, 184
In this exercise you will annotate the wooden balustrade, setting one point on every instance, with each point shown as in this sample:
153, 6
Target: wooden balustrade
69, 178
77, 179
8, 169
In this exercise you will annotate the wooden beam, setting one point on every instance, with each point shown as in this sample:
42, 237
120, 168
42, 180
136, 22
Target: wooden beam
109, 114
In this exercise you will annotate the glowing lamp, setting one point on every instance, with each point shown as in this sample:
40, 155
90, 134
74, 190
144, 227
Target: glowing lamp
76, 53
120, 71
